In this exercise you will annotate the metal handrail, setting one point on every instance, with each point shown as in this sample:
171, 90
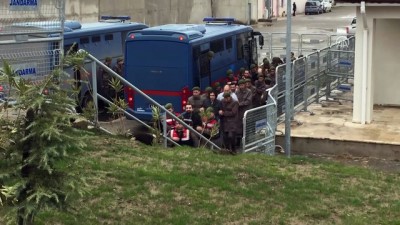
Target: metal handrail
124, 81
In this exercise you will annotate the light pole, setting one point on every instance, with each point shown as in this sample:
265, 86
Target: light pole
288, 78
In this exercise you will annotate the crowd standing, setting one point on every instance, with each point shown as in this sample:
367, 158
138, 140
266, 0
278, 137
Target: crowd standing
218, 113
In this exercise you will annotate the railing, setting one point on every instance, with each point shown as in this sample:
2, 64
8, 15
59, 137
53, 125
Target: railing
259, 125
315, 76
302, 44
96, 95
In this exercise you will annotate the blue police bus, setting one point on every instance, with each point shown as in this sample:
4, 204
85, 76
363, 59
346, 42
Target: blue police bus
167, 61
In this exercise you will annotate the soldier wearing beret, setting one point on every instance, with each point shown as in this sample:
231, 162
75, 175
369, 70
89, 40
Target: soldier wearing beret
252, 89
245, 101
261, 87
230, 77
119, 66
253, 72
196, 100
206, 94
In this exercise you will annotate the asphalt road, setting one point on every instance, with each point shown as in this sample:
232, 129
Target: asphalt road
325, 23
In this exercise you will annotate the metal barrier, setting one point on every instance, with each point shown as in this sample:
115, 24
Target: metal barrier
315, 76
302, 44
278, 47
259, 125
313, 42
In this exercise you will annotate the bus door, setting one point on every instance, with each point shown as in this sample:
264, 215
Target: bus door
253, 51
202, 67
253, 43
244, 48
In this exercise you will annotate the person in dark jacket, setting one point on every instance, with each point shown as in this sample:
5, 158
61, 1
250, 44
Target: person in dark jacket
193, 119
253, 72
294, 8
245, 101
213, 102
119, 67
252, 89
261, 86
104, 79
230, 112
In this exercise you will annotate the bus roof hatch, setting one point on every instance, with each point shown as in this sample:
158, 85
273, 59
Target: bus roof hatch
181, 27
227, 20
114, 19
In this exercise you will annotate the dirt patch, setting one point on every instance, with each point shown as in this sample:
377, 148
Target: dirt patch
366, 162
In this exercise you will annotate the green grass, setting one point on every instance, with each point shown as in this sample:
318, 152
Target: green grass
135, 184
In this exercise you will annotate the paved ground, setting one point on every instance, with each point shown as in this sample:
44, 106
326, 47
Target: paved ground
323, 23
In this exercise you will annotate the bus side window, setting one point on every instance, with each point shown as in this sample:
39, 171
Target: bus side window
70, 48
83, 41
228, 43
108, 37
96, 39
217, 46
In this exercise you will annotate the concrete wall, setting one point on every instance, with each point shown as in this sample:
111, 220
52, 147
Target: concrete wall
84, 11
156, 12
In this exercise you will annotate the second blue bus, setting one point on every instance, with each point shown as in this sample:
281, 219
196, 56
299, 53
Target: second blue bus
167, 61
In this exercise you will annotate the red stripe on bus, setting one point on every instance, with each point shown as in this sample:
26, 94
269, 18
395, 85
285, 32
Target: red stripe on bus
165, 93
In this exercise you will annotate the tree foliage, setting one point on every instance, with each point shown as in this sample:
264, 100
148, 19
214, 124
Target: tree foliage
38, 146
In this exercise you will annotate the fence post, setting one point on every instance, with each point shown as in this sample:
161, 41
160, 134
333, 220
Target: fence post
292, 96
306, 84
164, 116
288, 79
94, 86
318, 86
301, 44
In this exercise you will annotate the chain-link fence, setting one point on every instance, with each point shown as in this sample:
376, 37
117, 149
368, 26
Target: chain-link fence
31, 34
31, 17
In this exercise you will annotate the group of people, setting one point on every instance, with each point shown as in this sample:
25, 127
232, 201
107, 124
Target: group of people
104, 77
218, 113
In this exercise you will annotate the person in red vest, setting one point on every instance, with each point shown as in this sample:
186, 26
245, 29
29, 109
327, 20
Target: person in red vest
181, 134
171, 122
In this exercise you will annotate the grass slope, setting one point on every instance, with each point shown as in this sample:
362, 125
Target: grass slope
136, 184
